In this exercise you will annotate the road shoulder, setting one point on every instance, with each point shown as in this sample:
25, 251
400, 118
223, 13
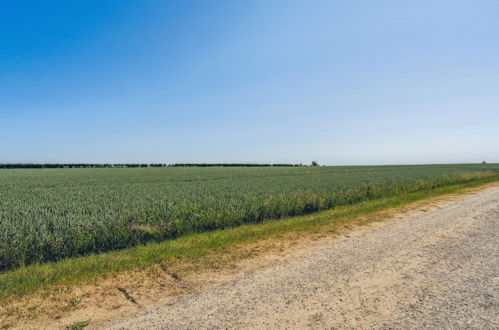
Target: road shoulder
114, 297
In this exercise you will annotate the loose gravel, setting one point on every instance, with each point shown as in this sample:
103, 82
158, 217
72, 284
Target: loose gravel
432, 269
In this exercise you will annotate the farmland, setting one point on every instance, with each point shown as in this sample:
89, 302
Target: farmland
52, 214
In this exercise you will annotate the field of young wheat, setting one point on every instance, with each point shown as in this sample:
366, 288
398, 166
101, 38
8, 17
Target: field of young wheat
52, 214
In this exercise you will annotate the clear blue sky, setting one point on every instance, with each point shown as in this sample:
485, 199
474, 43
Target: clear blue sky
340, 82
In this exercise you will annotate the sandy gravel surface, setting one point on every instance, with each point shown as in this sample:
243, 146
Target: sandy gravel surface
433, 269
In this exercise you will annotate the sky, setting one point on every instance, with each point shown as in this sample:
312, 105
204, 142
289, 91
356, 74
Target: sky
336, 81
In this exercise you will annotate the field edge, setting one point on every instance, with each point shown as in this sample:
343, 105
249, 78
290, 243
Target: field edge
186, 252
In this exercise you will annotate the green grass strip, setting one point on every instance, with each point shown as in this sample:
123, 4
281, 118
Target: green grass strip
76, 270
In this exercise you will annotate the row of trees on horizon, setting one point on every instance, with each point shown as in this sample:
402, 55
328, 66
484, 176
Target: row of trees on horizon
123, 165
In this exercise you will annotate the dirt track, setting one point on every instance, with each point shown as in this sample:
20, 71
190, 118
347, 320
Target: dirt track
433, 269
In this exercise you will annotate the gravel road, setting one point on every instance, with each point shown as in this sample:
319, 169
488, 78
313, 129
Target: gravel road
438, 268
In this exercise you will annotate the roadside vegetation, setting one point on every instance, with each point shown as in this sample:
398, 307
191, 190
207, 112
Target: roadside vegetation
47, 215
195, 252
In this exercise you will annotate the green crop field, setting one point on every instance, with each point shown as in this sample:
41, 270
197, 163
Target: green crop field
52, 214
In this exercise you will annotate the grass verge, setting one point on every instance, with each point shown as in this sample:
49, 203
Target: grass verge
197, 246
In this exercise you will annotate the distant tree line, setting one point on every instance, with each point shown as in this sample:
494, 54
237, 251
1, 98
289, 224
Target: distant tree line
85, 165
231, 165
